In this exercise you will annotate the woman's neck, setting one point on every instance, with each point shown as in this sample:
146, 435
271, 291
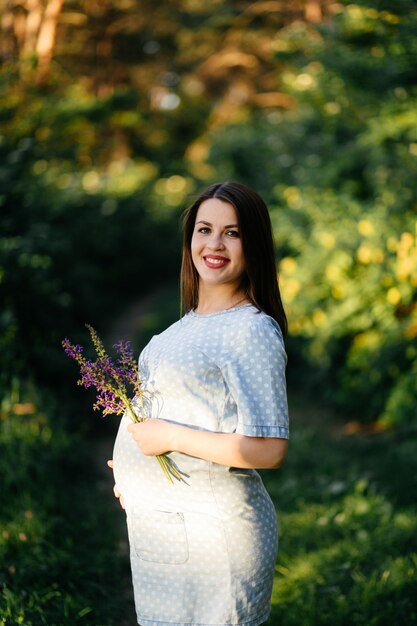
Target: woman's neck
211, 301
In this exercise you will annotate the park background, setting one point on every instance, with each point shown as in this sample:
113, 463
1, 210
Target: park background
113, 115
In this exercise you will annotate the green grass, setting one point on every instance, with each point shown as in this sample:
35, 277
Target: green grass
348, 527
346, 509
58, 535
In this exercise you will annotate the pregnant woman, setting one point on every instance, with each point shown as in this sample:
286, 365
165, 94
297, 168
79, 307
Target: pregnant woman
203, 550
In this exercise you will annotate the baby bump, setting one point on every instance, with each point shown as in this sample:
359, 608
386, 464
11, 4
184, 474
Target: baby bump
129, 464
141, 480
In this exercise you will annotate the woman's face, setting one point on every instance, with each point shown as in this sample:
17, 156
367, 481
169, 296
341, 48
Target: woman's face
216, 247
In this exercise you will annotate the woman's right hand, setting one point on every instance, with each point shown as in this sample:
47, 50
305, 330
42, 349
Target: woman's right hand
116, 491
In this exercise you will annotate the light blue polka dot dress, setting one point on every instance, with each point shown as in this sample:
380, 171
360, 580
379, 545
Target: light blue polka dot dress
203, 552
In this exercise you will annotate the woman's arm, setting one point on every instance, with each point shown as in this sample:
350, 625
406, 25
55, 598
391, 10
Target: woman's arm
156, 436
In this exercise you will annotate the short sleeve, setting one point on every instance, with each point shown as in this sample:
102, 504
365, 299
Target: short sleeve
255, 377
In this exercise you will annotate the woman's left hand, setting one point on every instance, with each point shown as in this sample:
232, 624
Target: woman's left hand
153, 436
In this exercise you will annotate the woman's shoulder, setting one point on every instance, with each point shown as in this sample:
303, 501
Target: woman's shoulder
244, 327
253, 335
255, 322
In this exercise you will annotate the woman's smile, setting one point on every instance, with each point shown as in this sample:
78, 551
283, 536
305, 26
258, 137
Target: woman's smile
215, 262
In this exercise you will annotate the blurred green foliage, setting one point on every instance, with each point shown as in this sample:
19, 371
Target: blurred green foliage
317, 111
79, 241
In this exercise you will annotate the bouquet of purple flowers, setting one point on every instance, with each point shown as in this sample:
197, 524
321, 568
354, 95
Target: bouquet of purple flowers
113, 379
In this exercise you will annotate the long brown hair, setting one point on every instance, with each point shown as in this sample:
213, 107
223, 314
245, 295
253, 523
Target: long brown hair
260, 280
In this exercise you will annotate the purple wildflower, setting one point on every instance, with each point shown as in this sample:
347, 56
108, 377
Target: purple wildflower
72, 351
111, 379
115, 381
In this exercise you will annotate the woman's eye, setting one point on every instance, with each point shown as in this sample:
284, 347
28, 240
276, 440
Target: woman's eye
233, 233
203, 230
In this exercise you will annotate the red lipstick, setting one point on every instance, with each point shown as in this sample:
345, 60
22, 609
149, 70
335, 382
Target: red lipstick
215, 262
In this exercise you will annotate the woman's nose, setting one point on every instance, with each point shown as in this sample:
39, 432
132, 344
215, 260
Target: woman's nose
216, 241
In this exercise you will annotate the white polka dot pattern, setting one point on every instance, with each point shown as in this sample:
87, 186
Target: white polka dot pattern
203, 552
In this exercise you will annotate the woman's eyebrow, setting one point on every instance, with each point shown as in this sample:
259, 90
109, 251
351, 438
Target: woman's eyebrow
208, 224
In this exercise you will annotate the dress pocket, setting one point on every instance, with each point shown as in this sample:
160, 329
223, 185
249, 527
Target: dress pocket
159, 536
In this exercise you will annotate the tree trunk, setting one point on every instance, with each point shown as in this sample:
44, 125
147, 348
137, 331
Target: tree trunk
33, 22
46, 38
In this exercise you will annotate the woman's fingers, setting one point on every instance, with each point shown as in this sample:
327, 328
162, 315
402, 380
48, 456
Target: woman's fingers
153, 436
116, 491
119, 496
